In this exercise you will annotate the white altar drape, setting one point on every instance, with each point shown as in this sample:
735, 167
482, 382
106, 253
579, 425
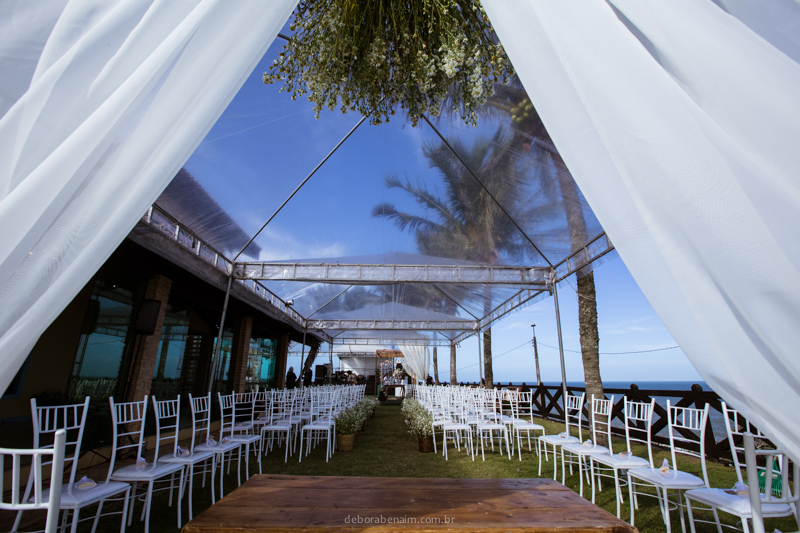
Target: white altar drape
101, 102
680, 123
417, 360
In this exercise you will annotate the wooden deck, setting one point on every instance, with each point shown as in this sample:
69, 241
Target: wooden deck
272, 503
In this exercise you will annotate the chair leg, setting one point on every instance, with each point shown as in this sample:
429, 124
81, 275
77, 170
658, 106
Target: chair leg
126, 500
148, 500
191, 487
97, 515
213, 459
221, 474
74, 526
300, 459
691, 516
171, 486
181, 490
630, 496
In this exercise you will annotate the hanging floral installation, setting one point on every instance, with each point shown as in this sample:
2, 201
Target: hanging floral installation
373, 55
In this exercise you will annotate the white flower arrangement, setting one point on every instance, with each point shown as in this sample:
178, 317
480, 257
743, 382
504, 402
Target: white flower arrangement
348, 422
420, 423
375, 56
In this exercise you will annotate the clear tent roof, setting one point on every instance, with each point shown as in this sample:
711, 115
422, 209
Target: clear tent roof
439, 194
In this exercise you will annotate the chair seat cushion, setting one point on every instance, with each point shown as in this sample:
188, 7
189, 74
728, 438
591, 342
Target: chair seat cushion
154, 471
580, 449
221, 447
317, 426
490, 425
675, 479
615, 461
83, 497
196, 457
278, 426
558, 441
453, 426
521, 423
735, 504
246, 438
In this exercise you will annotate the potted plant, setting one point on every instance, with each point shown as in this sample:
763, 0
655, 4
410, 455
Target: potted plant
420, 424
347, 423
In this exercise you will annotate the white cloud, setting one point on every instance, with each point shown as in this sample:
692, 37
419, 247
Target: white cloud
278, 246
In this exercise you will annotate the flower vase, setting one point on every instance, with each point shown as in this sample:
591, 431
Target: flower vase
345, 442
425, 444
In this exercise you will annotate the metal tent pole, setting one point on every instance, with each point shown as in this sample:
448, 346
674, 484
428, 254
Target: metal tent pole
214, 359
303, 354
536, 356
480, 358
561, 355
330, 362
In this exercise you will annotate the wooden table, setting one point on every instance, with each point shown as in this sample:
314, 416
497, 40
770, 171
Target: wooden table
395, 387
272, 503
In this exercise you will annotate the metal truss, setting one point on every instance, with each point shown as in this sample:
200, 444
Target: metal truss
395, 325
594, 250
160, 220
367, 274
360, 341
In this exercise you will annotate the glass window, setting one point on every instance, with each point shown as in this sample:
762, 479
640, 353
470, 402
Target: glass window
261, 364
171, 351
221, 373
105, 340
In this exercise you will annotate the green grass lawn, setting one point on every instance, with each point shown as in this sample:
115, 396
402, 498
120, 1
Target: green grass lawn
385, 449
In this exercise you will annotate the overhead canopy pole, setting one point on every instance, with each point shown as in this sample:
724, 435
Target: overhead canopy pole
212, 371
480, 357
561, 356
349, 133
303, 353
383, 274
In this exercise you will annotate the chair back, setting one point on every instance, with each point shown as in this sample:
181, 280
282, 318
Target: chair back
49, 420
244, 407
790, 493
638, 424
682, 422
736, 425
201, 417
168, 419
573, 408
127, 422
11, 498
227, 415
601, 420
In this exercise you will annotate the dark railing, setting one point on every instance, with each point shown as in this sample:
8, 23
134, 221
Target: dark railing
547, 403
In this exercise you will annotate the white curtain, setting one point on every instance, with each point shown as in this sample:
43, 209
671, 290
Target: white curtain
102, 101
681, 124
417, 360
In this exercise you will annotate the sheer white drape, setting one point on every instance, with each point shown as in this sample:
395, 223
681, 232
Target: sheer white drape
417, 361
103, 101
681, 124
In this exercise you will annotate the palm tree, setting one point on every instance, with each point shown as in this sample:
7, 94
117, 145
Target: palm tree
468, 224
531, 135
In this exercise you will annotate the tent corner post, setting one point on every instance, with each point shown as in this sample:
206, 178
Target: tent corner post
561, 356
220, 332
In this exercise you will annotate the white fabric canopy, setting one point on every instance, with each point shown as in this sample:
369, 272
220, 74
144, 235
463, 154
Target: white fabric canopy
417, 360
680, 124
102, 101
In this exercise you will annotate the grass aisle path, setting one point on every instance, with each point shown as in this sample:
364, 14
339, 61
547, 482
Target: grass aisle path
385, 449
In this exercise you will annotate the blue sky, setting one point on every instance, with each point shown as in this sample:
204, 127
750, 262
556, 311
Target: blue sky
265, 144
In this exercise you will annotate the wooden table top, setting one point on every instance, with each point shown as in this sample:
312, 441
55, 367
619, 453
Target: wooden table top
271, 503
